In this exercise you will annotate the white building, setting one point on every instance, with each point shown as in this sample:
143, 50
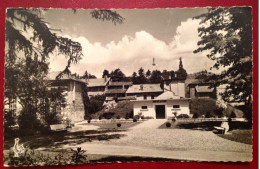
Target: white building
166, 105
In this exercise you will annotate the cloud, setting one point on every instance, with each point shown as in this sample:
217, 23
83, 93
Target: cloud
131, 53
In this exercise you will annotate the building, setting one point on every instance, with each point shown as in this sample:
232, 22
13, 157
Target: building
73, 107
97, 86
166, 105
116, 90
202, 90
144, 91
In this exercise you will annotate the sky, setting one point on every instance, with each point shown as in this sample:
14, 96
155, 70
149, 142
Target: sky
163, 34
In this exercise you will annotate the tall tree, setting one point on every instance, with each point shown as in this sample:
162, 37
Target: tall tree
156, 77
181, 72
148, 73
227, 34
117, 75
105, 73
29, 41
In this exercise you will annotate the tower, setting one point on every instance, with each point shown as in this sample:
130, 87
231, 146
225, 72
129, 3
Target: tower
154, 65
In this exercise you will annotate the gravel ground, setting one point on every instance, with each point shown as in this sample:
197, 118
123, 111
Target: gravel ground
148, 135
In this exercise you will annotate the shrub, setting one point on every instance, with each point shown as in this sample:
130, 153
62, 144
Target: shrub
89, 120
174, 119
108, 115
148, 117
127, 116
118, 117
142, 117
195, 115
134, 120
118, 124
208, 115
100, 117
183, 116
168, 124
136, 117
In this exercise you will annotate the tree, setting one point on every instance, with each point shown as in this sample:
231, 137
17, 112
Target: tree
29, 42
148, 73
117, 75
105, 73
181, 72
134, 78
227, 34
141, 79
156, 77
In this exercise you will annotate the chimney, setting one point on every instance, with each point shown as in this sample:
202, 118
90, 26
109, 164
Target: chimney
141, 87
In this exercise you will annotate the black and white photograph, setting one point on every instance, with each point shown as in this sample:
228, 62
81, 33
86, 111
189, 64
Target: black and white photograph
126, 85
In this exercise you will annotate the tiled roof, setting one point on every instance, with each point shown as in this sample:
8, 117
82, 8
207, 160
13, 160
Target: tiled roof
95, 93
114, 91
127, 98
97, 82
144, 88
167, 96
120, 83
204, 89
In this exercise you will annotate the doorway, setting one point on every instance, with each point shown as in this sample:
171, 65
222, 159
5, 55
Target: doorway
160, 111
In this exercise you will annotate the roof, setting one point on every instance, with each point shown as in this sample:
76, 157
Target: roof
114, 91
167, 96
95, 93
97, 82
127, 98
120, 83
204, 89
53, 75
144, 88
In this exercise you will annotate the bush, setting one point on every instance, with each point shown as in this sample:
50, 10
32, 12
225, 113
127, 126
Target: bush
36, 158
118, 117
137, 117
127, 116
108, 115
185, 116
208, 115
100, 117
195, 115
168, 124
118, 124
142, 117
89, 120
134, 120
148, 117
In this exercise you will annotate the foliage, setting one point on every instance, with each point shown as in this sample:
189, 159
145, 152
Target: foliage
183, 116
209, 115
88, 76
227, 34
95, 104
29, 42
37, 158
105, 73
141, 78
181, 72
168, 124
233, 115
195, 115
117, 75
156, 77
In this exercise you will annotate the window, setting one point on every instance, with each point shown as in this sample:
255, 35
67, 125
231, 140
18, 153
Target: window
144, 107
145, 97
152, 97
176, 106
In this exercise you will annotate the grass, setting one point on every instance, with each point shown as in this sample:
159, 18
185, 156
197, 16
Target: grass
241, 136
239, 131
59, 139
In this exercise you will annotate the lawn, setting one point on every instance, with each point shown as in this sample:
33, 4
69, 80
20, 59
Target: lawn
239, 131
59, 139
242, 136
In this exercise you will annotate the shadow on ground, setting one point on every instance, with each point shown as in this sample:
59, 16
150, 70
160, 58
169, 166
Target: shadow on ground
61, 138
